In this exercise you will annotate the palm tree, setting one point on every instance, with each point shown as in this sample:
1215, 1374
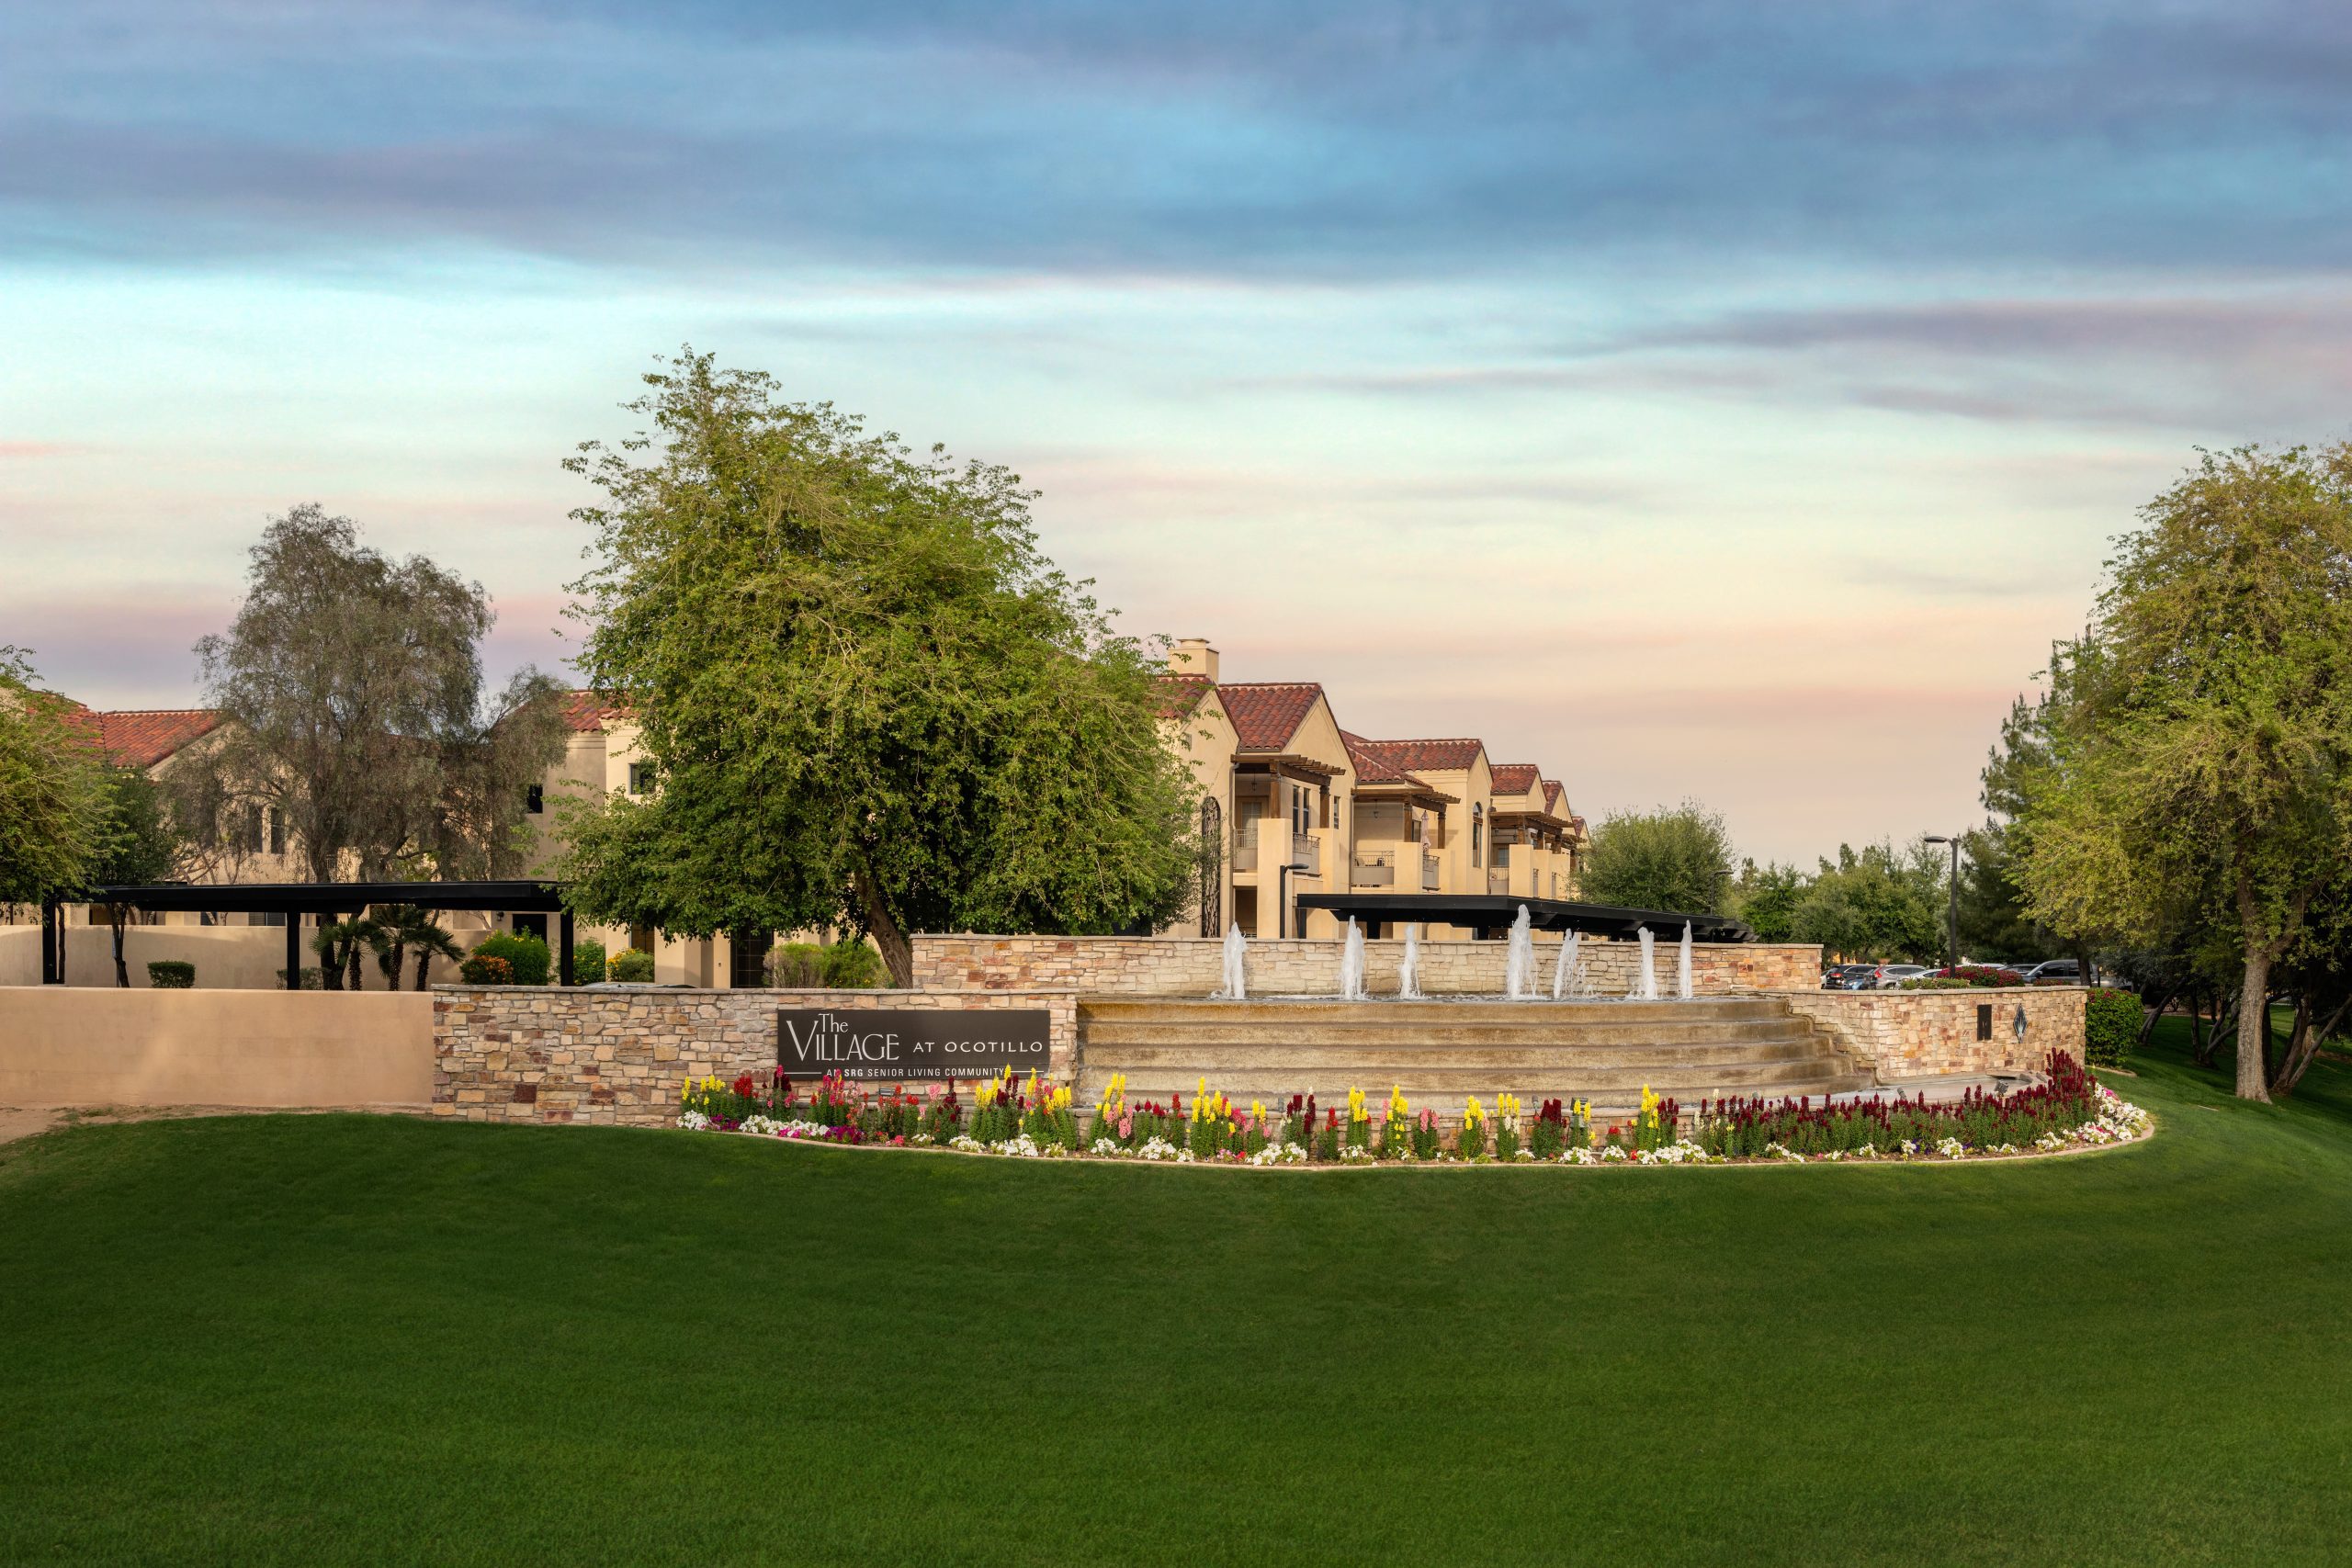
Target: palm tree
403, 927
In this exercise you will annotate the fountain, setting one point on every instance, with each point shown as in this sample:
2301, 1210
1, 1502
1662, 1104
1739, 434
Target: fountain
1234, 990
1519, 964
1646, 984
1351, 963
1409, 984
1683, 966
1564, 969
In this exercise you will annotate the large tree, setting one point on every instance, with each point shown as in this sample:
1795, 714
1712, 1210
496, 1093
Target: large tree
352, 697
2203, 723
52, 789
865, 697
1676, 859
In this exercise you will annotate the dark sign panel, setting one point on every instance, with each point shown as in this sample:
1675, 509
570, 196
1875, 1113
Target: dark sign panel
911, 1043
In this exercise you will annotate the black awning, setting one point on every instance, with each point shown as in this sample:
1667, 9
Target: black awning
1494, 911
326, 897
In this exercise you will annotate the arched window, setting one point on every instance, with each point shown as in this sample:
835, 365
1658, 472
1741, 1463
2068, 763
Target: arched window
1212, 866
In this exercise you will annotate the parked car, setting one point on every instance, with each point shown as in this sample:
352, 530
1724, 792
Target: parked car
2057, 972
1848, 976
1890, 976
1982, 974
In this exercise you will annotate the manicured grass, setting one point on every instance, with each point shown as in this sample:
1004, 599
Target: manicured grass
320, 1340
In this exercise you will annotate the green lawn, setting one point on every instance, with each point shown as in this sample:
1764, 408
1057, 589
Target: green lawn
317, 1339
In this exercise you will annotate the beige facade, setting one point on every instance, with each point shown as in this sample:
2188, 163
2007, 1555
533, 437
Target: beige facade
1349, 814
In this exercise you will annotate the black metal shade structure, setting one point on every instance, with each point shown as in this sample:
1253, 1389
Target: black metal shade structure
294, 899
1490, 912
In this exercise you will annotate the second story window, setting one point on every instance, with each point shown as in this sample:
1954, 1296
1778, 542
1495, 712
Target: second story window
639, 775
276, 831
1477, 835
535, 798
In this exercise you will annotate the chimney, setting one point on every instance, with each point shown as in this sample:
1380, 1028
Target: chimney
1193, 656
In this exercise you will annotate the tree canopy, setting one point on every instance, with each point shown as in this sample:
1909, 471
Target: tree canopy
1876, 902
53, 802
2199, 763
351, 692
1676, 859
865, 698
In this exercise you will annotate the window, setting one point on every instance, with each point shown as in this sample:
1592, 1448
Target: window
747, 958
1477, 835
639, 775
535, 799
528, 925
276, 831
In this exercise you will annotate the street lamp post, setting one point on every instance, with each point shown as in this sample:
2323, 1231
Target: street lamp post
1951, 912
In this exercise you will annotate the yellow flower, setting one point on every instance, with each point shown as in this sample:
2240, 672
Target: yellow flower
1472, 1113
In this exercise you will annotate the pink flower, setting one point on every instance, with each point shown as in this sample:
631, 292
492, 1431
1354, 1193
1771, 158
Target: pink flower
1126, 1126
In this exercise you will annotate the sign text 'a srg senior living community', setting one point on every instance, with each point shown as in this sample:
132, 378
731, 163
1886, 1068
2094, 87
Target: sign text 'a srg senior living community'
911, 1043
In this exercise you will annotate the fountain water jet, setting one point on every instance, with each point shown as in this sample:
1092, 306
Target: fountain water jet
1519, 966
1234, 989
1351, 963
1683, 966
1564, 968
1409, 984
1646, 984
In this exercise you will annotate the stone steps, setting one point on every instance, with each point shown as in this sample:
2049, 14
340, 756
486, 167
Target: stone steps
1440, 1052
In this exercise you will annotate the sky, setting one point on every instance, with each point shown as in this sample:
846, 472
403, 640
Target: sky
1725, 402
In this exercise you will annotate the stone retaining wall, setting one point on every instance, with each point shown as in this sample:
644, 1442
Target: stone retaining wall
1196, 966
1902, 1034
617, 1057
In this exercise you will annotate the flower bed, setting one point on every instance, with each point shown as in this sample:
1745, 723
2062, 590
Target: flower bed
1034, 1119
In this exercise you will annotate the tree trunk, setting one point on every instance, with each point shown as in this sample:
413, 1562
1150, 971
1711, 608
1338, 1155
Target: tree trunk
898, 953
122, 970
2304, 1046
2196, 1052
2148, 1022
2253, 1026
330, 964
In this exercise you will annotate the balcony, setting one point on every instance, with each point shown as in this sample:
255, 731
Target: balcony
1374, 869
1498, 879
1428, 873
1245, 848
1305, 851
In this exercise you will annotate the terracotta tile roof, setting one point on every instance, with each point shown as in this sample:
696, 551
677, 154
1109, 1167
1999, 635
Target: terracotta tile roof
1266, 714
1416, 756
1180, 694
1371, 768
1554, 792
1514, 778
585, 713
140, 737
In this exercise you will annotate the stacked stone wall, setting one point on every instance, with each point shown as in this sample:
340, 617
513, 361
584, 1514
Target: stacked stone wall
617, 1057
1144, 967
1902, 1034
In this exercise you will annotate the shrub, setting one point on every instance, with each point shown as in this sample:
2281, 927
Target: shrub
2111, 1027
587, 961
851, 966
631, 966
176, 975
1550, 1137
1940, 983
798, 964
486, 969
312, 979
527, 956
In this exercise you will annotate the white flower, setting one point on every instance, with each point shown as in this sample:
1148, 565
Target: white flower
693, 1121
1952, 1148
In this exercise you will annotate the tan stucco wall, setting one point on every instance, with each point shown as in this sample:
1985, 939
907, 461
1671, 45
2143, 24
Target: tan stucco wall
227, 958
63, 1045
